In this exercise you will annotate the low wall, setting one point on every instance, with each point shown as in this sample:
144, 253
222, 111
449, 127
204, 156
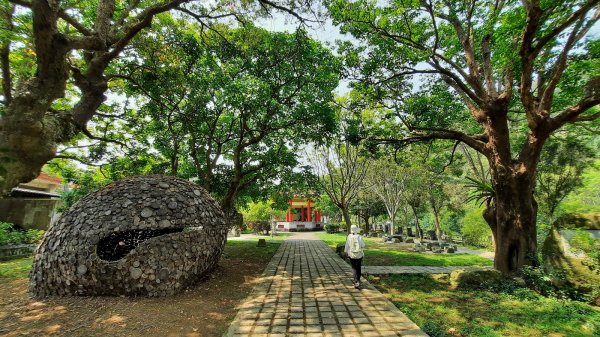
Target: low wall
11, 252
28, 213
298, 226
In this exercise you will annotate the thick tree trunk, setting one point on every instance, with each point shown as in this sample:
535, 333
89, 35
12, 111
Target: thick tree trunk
512, 218
367, 225
347, 220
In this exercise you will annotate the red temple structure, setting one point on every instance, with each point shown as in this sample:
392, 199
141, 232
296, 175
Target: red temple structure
301, 216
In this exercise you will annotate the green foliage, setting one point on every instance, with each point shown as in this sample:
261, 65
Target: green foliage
9, 235
587, 198
546, 284
234, 105
476, 279
584, 242
433, 304
379, 254
16, 268
560, 172
475, 230
481, 191
260, 227
260, 211
85, 184
334, 227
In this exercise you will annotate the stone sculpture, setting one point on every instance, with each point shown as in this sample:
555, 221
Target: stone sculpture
146, 235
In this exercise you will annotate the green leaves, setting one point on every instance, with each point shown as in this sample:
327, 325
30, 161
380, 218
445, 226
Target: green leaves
233, 105
481, 191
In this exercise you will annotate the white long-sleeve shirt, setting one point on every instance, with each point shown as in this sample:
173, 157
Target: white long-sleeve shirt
360, 242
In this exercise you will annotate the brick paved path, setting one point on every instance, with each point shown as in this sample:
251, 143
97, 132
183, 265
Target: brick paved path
306, 290
388, 270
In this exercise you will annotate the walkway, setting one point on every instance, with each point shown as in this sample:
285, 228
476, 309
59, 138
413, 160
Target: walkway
306, 290
389, 270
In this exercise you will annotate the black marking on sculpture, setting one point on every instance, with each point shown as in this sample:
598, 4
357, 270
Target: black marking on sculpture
117, 245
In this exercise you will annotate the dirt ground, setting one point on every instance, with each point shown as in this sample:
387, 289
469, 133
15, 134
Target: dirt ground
203, 310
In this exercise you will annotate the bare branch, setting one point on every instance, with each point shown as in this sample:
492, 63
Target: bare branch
75, 158
476, 142
107, 140
80, 28
267, 3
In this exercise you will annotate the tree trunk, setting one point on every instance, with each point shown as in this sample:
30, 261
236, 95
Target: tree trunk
417, 226
438, 226
392, 227
512, 218
347, 219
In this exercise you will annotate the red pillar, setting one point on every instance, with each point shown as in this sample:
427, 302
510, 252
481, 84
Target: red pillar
309, 215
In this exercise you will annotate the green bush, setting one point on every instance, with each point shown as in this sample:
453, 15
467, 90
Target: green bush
548, 285
584, 242
260, 227
475, 230
332, 227
478, 279
12, 236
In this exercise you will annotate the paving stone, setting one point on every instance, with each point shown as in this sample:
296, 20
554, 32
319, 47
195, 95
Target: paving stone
306, 290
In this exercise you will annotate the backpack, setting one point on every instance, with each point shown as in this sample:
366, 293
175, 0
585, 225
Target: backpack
355, 252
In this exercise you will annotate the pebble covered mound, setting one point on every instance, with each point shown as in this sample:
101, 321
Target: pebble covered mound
146, 235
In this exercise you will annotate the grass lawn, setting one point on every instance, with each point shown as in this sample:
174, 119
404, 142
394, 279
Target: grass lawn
205, 309
441, 311
17, 268
380, 254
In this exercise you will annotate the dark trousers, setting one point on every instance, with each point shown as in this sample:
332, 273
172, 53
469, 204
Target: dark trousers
356, 272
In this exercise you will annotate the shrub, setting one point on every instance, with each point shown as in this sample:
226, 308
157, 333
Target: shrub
260, 227
9, 235
547, 284
332, 227
477, 279
584, 242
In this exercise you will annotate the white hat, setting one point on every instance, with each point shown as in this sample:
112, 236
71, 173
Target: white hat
354, 229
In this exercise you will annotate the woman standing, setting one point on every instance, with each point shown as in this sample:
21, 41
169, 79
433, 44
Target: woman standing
355, 251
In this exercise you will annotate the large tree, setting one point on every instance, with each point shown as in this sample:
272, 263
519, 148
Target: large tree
234, 105
504, 60
388, 181
341, 171
56, 49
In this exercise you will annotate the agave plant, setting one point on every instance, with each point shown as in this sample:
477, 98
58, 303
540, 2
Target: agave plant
481, 191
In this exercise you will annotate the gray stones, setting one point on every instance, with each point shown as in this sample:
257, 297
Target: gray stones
136, 273
147, 235
262, 243
81, 269
146, 213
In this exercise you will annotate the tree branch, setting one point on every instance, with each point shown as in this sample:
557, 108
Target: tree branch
573, 113
581, 12
476, 142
